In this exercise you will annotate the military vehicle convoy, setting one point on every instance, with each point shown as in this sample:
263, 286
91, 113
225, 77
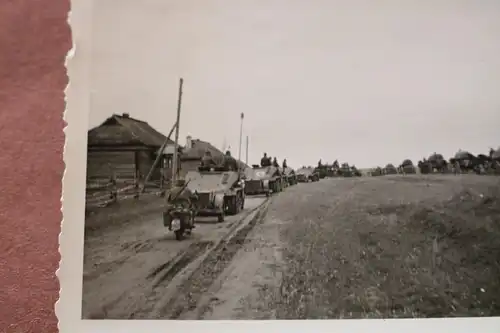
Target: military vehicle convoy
408, 168
322, 171
390, 169
437, 162
289, 176
345, 170
307, 174
376, 172
219, 191
263, 180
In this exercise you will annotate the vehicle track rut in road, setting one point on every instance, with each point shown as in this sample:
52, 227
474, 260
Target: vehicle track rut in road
191, 290
164, 273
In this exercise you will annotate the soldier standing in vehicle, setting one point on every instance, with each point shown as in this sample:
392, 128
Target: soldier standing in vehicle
229, 162
207, 160
275, 163
265, 161
284, 164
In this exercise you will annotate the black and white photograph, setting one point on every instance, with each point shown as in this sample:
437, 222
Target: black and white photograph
284, 160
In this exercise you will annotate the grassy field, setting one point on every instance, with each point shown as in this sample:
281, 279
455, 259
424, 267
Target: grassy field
415, 246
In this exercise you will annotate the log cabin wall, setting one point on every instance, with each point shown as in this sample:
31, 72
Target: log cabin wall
145, 160
125, 148
102, 165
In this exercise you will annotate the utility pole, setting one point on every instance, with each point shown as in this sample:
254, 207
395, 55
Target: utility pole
175, 158
246, 157
159, 155
241, 133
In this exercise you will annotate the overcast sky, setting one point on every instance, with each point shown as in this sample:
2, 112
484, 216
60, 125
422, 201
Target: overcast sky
366, 82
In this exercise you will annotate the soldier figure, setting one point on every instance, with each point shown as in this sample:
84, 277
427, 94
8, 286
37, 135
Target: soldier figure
275, 163
181, 194
265, 161
458, 169
229, 162
284, 164
207, 160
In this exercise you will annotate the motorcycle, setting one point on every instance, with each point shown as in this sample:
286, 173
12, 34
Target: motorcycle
180, 220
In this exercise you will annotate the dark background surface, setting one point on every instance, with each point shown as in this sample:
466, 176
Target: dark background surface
34, 40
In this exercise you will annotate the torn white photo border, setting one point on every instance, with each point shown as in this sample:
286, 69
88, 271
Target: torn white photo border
69, 306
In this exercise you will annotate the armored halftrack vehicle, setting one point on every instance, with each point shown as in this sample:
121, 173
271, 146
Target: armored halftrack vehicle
289, 176
263, 180
355, 172
305, 175
219, 191
322, 171
390, 169
495, 154
437, 162
407, 167
345, 170
376, 172
465, 160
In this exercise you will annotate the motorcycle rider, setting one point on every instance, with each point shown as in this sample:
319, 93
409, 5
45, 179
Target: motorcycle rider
181, 195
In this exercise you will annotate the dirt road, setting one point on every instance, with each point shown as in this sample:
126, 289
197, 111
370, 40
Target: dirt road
121, 261
413, 246
395, 246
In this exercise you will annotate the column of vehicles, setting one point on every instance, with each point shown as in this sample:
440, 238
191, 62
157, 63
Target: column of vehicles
214, 189
220, 189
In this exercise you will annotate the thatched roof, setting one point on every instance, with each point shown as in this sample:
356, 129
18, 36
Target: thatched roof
125, 130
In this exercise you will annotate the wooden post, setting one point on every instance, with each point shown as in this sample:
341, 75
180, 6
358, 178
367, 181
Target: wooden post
242, 116
246, 153
114, 187
150, 173
176, 155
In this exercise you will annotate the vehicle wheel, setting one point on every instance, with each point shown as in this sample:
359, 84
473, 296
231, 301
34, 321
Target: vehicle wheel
233, 205
242, 202
179, 234
239, 203
236, 204
220, 218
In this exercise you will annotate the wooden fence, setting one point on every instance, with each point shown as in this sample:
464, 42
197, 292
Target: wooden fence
102, 192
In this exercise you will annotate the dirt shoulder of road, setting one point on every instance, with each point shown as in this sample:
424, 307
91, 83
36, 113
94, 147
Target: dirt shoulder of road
122, 212
394, 247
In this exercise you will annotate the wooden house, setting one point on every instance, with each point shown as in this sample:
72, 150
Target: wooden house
126, 148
